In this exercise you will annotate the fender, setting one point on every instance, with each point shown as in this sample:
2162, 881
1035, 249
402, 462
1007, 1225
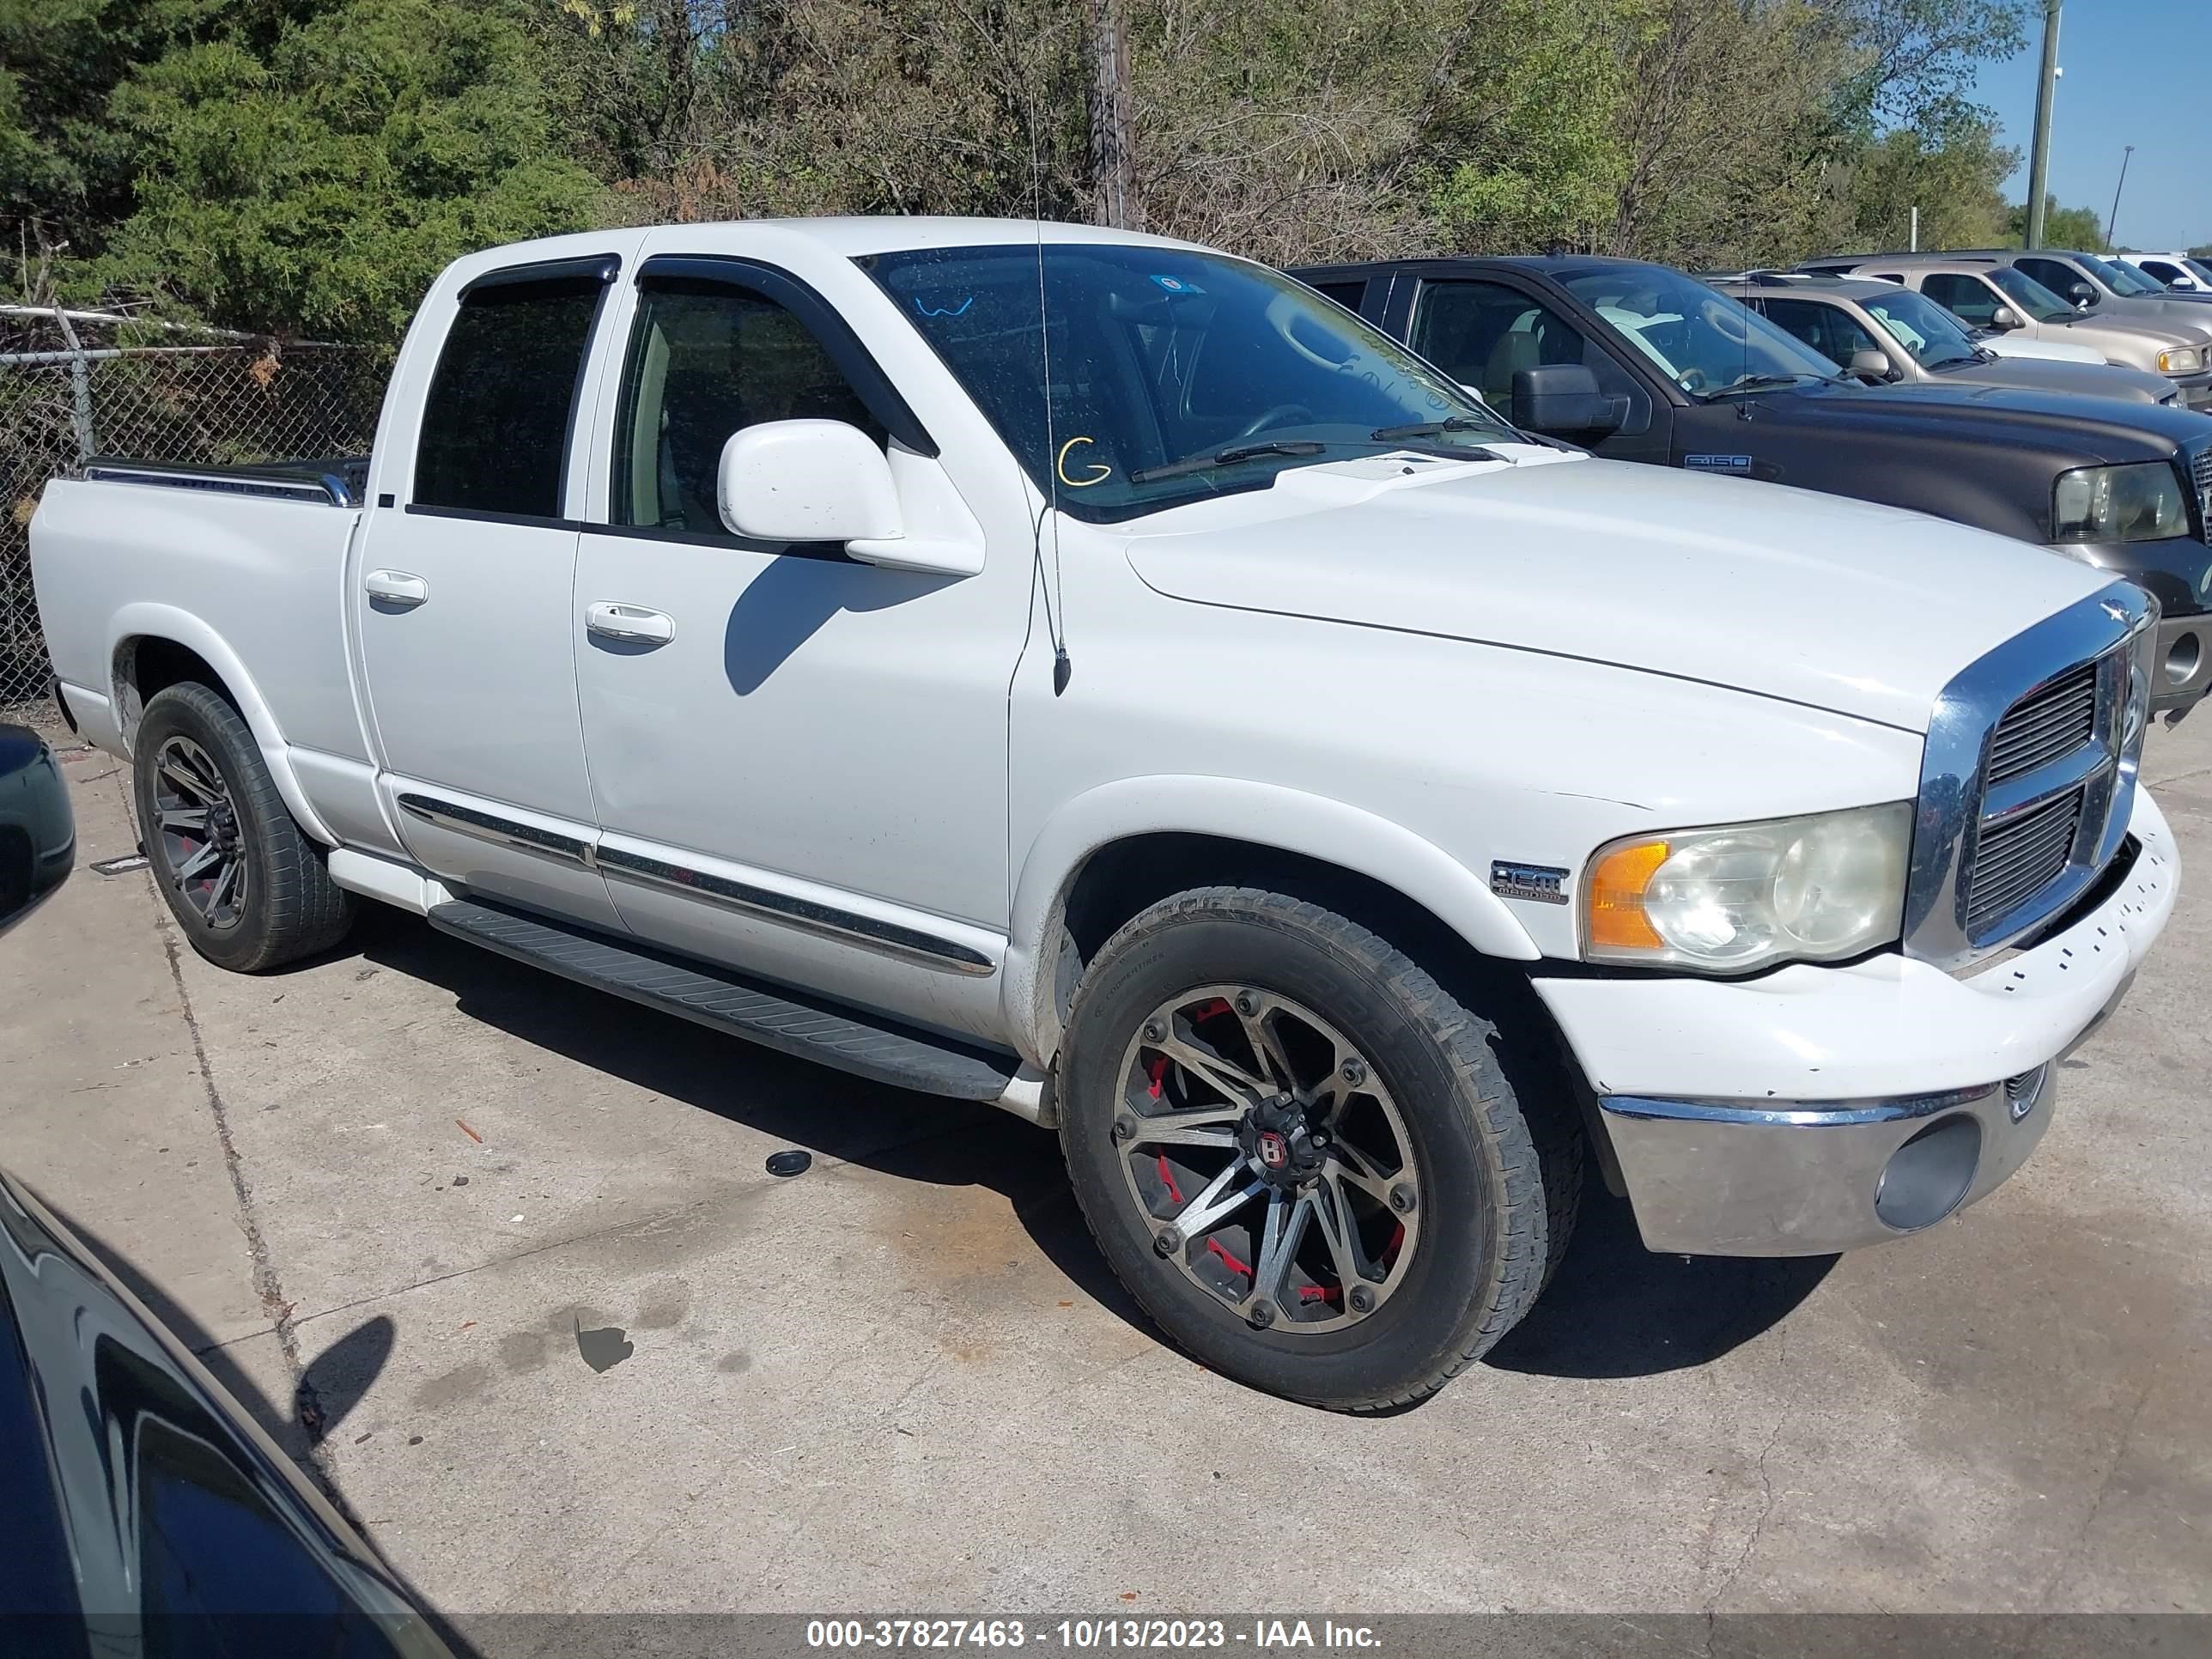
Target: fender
1264, 814
166, 622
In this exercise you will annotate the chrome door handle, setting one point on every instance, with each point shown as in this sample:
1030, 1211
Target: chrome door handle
396, 588
631, 625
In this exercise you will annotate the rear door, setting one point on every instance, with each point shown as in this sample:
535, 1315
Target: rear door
464, 587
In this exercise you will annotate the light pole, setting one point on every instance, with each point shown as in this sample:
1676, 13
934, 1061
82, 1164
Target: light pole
2112, 222
2039, 167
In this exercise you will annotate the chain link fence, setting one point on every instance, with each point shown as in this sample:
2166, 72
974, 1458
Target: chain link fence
75, 383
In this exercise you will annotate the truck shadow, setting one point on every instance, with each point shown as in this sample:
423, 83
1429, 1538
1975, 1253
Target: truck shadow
1614, 1310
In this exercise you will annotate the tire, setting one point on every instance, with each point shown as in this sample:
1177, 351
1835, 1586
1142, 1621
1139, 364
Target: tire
194, 758
1446, 1270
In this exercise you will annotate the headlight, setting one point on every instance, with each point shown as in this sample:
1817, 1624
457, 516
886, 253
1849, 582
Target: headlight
1737, 897
2139, 502
2180, 360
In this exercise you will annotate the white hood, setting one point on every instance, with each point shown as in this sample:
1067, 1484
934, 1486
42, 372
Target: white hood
1863, 609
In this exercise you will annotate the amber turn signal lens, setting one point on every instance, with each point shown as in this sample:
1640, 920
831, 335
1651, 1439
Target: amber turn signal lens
1616, 897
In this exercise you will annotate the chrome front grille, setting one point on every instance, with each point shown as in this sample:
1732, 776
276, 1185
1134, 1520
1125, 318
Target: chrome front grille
2017, 858
2028, 780
2048, 723
2200, 477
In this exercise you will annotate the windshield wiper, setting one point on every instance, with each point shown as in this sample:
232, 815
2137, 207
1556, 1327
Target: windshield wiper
1383, 434
1768, 382
1229, 457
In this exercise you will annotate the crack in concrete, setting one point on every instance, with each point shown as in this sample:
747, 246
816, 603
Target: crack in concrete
2072, 1552
1758, 1527
306, 1409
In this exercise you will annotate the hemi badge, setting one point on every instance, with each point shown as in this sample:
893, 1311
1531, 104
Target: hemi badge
1537, 882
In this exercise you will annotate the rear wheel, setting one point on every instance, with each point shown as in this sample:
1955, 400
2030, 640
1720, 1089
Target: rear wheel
247, 886
1300, 1153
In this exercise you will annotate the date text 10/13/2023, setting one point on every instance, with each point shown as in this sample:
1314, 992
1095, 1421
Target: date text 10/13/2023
1084, 1634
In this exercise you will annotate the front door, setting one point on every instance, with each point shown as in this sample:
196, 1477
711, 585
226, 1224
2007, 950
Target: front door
465, 591
799, 760
1479, 332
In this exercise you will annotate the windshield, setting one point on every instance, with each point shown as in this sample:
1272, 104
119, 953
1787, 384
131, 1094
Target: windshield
1924, 328
2120, 277
1705, 342
1174, 375
2028, 295
2197, 268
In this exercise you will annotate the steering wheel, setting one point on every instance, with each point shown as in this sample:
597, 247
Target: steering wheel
1691, 380
1734, 326
1279, 415
1283, 313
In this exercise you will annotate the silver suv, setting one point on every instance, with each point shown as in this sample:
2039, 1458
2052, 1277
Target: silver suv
1886, 331
1990, 293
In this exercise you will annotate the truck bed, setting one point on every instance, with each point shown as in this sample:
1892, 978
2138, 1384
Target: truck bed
244, 565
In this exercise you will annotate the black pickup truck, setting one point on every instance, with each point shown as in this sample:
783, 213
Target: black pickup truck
1643, 363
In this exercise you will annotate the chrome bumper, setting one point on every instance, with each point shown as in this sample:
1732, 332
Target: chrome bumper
2182, 667
1809, 1178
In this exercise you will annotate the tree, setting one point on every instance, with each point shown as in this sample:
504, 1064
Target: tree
318, 190
65, 182
1950, 167
2062, 227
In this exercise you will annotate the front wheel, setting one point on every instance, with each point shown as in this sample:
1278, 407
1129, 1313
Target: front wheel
1300, 1153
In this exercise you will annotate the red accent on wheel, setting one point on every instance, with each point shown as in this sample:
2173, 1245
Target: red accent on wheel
1168, 1175
1214, 1246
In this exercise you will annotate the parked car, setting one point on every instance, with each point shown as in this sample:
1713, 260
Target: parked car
758, 622
37, 840
1643, 363
2180, 271
2007, 299
2090, 282
139, 1505
1885, 332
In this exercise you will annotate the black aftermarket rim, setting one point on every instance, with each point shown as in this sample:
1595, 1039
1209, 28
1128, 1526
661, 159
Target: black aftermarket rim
196, 826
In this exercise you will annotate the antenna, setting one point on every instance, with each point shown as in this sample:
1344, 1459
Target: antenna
1056, 607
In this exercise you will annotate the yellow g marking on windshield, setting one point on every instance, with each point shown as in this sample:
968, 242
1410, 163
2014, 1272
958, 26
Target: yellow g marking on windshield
1099, 471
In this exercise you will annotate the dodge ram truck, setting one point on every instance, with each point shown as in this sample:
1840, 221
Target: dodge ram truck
1098, 676
1643, 363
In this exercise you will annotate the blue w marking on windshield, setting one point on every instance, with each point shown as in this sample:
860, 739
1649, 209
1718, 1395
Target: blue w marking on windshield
944, 311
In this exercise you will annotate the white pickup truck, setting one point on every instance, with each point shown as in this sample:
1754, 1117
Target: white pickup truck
1093, 674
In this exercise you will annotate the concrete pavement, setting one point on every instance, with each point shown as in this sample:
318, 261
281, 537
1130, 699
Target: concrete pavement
512, 1246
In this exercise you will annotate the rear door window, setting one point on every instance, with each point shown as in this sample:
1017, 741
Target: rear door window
496, 421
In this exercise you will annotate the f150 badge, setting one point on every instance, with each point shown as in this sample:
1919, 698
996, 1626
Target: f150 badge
1538, 882
1718, 464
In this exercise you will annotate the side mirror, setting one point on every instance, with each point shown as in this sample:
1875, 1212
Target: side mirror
2083, 295
1560, 399
2005, 319
37, 833
826, 480
1872, 365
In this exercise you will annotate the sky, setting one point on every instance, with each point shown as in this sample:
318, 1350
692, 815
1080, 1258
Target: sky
2135, 73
